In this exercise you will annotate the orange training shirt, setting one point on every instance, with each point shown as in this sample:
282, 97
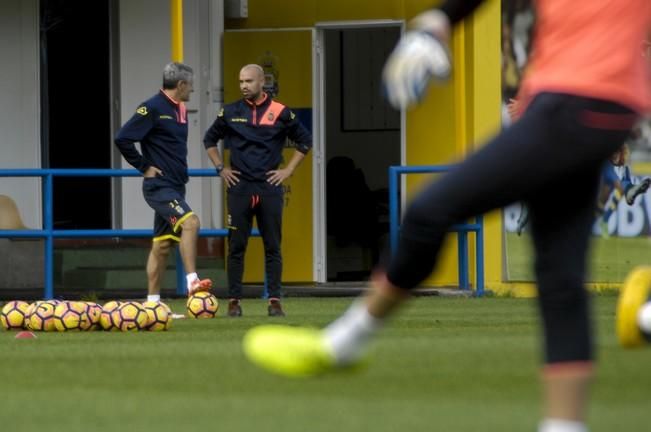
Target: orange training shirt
592, 48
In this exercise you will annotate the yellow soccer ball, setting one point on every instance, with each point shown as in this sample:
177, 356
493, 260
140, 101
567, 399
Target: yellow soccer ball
30, 309
94, 312
71, 316
13, 315
106, 319
130, 316
202, 305
169, 309
40, 316
159, 316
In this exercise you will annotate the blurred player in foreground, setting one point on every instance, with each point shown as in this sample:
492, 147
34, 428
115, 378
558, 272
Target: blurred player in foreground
580, 99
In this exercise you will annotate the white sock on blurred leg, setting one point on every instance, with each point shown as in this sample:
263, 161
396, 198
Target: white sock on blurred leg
153, 298
349, 335
557, 425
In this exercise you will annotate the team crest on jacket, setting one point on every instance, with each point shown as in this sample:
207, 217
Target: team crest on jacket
175, 205
271, 116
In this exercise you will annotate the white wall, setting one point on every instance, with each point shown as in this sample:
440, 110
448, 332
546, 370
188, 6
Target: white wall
19, 112
145, 42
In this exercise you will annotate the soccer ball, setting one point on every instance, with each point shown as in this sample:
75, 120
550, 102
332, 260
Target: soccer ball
130, 316
13, 315
106, 319
159, 317
167, 308
40, 316
94, 312
71, 316
30, 310
202, 305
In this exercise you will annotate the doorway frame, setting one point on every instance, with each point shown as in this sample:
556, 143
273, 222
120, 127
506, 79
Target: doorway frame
320, 271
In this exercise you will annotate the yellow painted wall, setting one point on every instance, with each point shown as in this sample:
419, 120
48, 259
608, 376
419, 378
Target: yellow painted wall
432, 140
484, 60
453, 116
292, 59
470, 102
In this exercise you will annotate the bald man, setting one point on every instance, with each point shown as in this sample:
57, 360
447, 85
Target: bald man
255, 130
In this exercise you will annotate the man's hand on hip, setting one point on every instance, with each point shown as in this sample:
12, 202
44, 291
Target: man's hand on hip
276, 177
230, 176
152, 171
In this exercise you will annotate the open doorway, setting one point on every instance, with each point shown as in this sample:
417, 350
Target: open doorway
361, 137
76, 107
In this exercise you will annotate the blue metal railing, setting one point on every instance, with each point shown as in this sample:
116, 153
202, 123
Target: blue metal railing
462, 230
49, 233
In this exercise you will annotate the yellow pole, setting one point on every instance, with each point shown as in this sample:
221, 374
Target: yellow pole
460, 84
176, 28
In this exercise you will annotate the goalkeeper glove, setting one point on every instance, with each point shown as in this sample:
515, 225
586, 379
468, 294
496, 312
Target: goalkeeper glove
419, 57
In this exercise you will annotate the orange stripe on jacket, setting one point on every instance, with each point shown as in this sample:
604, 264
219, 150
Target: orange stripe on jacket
272, 114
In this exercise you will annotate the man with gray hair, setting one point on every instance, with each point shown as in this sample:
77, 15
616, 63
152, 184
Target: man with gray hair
160, 124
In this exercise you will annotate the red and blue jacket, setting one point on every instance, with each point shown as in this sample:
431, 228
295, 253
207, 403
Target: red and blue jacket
256, 134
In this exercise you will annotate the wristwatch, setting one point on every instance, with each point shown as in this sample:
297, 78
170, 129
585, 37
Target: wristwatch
219, 168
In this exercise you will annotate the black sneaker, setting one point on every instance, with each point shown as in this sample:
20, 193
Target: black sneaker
234, 308
275, 309
636, 190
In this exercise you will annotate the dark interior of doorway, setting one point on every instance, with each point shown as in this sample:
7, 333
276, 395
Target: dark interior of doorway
362, 139
75, 92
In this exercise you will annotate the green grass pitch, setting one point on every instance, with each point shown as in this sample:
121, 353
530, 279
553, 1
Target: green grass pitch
610, 259
442, 364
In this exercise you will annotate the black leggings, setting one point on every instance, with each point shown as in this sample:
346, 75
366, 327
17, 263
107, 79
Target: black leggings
551, 159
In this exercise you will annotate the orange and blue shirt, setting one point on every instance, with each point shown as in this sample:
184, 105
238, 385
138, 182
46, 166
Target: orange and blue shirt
160, 124
255, 134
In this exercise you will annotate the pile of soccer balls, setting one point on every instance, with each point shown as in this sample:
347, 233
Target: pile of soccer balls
56, 315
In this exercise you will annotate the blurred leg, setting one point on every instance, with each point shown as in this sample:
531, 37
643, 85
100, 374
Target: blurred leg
561, 227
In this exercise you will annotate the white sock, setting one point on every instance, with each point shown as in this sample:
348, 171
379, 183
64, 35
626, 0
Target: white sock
191, 277
558, 425
153, 298
644, 318
349, 335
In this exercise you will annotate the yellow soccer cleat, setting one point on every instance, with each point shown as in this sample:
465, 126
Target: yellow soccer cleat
635, 292
289, 351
